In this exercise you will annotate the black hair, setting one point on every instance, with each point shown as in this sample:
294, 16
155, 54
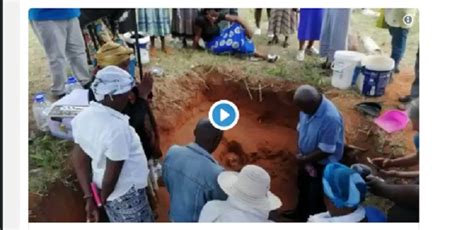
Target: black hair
206, 10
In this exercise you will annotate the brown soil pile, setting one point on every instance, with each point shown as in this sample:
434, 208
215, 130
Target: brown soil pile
265, 134
60, 204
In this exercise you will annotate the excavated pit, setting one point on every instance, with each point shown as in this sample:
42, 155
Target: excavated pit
265, 134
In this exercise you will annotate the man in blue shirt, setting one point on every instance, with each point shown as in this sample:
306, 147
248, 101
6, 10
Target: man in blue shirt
320, 141
59, 33
190, 174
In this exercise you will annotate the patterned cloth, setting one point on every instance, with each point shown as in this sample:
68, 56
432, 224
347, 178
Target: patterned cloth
282, 21
224, 24
96, 34
232, 40
182, 22
155, 22
131, 207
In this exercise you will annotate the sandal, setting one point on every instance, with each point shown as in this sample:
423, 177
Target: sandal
272, 58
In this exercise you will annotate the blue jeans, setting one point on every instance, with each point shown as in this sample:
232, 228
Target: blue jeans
131, 207
399, 43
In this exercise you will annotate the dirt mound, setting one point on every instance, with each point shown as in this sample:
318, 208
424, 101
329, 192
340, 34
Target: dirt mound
265, 134
61, 204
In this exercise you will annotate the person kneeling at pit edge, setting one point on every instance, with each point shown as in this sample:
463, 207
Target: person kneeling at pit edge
249, 197
344, 192
405, 196
237, 39
408, 160
113, 158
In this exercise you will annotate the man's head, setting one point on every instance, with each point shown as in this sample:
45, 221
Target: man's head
207, 136
113, 54
210, 14
112, 87
414, 114
307, 99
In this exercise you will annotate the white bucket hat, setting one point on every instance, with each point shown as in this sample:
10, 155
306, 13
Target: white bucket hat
251, 187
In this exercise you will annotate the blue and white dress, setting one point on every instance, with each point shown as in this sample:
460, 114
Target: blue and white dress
232, 40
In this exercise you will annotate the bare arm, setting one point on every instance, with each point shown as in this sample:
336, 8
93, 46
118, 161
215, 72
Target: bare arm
403, 195
400, 174
111, 176
82, 166
314, 157
409, 174
405, 161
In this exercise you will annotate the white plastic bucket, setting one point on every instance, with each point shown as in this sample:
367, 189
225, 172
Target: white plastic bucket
375, 75
144, 44
345, 62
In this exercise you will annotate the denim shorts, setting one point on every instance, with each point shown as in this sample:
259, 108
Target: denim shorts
131, 207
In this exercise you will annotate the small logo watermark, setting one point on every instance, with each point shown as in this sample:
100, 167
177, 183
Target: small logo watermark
408, 20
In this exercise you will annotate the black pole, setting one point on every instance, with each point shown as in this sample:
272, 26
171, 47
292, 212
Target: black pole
137, 45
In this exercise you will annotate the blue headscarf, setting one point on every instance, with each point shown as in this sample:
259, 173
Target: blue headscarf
343, 186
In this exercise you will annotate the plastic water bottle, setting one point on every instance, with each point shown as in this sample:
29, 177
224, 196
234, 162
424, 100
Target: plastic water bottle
40, 111
72, 84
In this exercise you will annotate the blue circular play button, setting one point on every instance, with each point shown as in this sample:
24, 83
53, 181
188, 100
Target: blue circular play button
224, 115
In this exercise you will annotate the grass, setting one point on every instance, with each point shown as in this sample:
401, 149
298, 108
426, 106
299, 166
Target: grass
48, 156
375, 201
48, 162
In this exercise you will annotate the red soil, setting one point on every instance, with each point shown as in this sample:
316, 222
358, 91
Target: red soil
265, 134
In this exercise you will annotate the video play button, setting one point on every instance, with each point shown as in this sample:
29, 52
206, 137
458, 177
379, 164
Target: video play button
224, 115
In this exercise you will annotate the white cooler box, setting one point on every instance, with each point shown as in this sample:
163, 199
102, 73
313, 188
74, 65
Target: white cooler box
64, 110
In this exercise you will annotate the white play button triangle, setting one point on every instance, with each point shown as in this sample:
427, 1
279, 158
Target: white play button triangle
223, 115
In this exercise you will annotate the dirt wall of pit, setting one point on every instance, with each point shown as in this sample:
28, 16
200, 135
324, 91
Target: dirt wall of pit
265, 134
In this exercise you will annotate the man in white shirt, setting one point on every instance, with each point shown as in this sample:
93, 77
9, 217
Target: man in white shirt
114, 159
249, 197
